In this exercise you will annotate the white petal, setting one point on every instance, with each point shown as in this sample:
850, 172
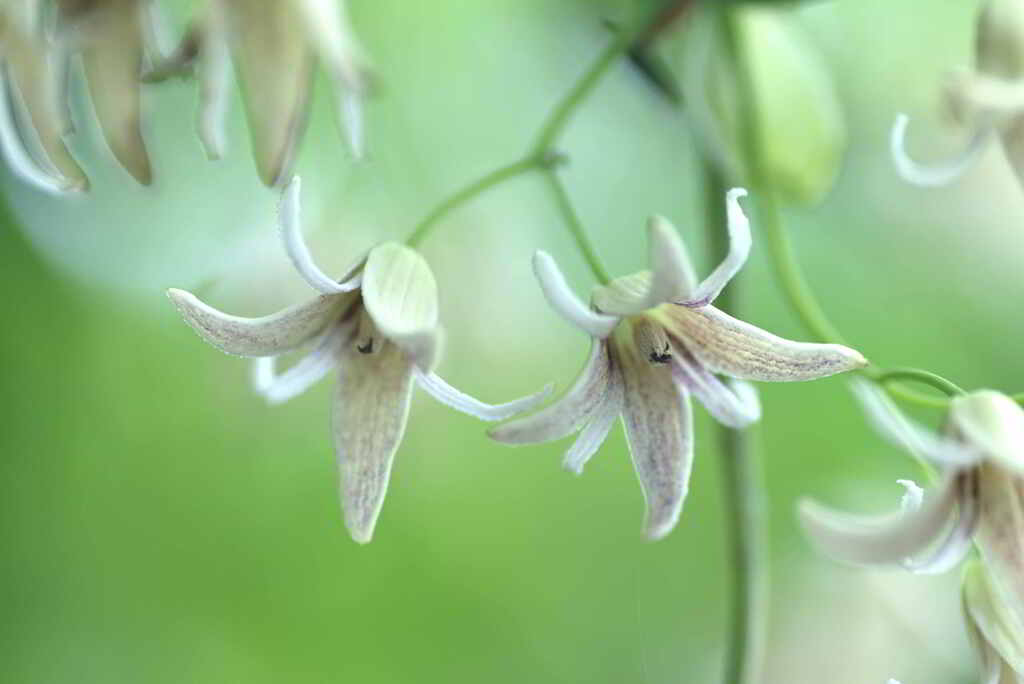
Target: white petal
265, 336
735, 408
993, 627
913, 497
992, 424
564, 301
298, 252
13, 149
940, 173
370, 412
729, 346
351, 107
892, 424
307, 372
659, 431
567, 414
672, 273
596, 431
958, 540
739, 249
886, 539
214, 85
446, 394
329, 29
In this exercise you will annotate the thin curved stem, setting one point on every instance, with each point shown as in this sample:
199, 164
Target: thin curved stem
886, 376
496, 177
575, 226
743, 493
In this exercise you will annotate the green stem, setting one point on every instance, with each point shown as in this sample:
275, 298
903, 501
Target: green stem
742, 491
575, 226
886, 376
467, 193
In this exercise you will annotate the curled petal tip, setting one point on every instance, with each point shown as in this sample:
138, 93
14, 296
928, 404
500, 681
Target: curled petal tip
735, 193
564, 301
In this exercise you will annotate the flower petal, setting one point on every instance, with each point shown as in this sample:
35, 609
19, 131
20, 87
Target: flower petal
941, 173
733, 347
436, 387
659, 430
992, 425
1012, 138
565, 302
274, 63
566, 415
736, 408
295, 245
307, 372
112, 58
265, 336
994, 629
1001, 531
370, 412
214, 78
400, 294
17, 157
739, 249
880, 539
592, 436
959, 539
894, 425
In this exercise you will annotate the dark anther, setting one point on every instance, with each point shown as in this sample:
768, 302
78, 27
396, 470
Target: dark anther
366, 348
661, 357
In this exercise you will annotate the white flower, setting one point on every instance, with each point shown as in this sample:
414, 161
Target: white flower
978, 498
657, 340
276, 47
988, 101
378, 327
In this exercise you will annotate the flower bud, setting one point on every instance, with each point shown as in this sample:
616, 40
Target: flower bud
800, 123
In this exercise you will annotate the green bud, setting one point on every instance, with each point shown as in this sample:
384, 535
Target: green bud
800, 120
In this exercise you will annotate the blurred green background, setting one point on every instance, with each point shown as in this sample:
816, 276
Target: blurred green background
161, 524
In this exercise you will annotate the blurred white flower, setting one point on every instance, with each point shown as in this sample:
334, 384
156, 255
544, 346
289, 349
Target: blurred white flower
379, 327
656, 340
276, 48
987, 101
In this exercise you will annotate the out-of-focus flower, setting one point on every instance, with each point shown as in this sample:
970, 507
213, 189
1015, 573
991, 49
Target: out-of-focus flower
979, 497
656, 340
994, 629
32, 120
115, 40
801, 127
276, 47
378, 326
988, 101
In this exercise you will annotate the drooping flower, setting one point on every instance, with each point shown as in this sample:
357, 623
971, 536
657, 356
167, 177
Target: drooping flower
656, 339
276, 48
979, 498
378, 326
988, 101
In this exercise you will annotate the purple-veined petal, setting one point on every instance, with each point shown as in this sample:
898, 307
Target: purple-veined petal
436, 387
264, 336
304, 374
939, 173
564, 301
739, 249
736, 407
892, 424
732, 347
569, 412
594, 433
886, 539
298, 252
958, 539
659, 431
371, 408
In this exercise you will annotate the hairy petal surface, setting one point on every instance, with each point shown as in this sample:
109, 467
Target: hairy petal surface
940, 173
567, 414
265, 336
659, 430
436, 387
565, 302
733, 347
370, 412
889, 539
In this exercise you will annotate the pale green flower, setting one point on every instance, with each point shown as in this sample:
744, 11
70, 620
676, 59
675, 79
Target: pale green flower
276, 48
987, 101
378, 327
978, 498
656, 340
